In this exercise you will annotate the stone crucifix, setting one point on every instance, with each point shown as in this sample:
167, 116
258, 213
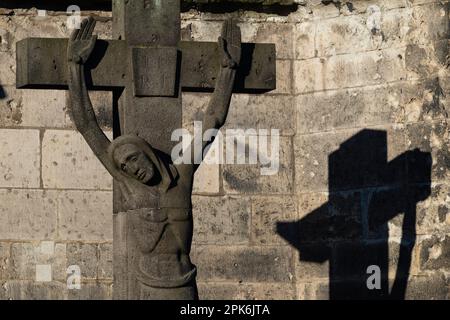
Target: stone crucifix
147, 67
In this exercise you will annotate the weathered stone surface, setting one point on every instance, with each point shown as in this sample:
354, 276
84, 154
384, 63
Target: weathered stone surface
321, 164
27, 214
330, 110
349, 34
65, 151
7, 69
33, 108
29, 290
433, 213
349, 70
5, 260
47, 108
221, 220
20, 162
255, 264
262, 112
432, 138
432, 287
11, 112
26, 256
247, 178
308, 76
279, 34
266, 212
207, 179
105, 261
284, 77
246, 112
305, 266
246, 291
92, 291
313, 291
202, 30
435, 253
423, 62
43, 108
379, 29
436, 27
75, 218
85, 256
425, 101
194, 106
308, 202
304, 42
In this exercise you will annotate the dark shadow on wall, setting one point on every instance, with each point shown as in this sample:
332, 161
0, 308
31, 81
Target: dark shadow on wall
61, 5
106, 5
350, 231
2, 93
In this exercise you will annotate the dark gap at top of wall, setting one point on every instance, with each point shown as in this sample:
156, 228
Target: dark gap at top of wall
103, 5
60, 5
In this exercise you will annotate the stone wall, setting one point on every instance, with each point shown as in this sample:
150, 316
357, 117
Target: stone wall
361, 85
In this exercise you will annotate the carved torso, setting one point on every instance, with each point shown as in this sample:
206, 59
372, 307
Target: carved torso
160, 225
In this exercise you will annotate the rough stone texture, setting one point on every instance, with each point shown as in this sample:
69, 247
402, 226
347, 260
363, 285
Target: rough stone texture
219, 220
242, 263
314, 153
349, 70
32, 290
246, 291
75, 222
247, 178
92, 291
433, 213
435, 254
206, 179
430, 287
27, 214
66, 151
331, 110
25, 257
360, 85
20, 162
5, 267
85, 255
267, 211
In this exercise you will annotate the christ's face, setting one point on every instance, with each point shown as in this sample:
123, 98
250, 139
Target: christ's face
135, 163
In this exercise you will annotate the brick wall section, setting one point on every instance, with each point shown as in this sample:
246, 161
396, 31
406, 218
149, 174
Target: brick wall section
376, 65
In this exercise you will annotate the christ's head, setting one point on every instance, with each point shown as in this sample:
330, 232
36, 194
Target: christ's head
135, 158
134, 162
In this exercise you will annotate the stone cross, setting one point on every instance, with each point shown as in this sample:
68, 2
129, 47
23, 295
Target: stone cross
146, 67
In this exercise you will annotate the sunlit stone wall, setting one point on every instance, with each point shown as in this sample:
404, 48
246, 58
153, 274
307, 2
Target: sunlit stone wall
361, 84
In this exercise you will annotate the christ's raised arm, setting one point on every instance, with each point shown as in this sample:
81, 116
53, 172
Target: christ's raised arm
81, 45
230, 47
217, 110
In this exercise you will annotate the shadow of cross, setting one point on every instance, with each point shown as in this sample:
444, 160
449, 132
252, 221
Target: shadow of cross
350, 231
147, 67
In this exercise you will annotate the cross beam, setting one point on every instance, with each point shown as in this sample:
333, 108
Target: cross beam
43, 65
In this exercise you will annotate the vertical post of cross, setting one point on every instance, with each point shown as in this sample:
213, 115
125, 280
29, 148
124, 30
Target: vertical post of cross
150, 105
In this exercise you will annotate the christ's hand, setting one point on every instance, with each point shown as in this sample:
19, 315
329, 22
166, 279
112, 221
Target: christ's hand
82, 42
230, 44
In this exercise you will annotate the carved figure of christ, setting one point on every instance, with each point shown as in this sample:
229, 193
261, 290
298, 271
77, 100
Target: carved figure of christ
156, 193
